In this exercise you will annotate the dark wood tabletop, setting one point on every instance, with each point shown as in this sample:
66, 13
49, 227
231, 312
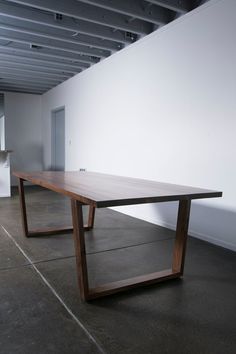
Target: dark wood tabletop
103, 190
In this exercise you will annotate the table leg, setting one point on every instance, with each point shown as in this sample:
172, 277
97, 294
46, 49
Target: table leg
23, 207
181, 236
110, 288
47, 230
175, 272
91, 216
80, 252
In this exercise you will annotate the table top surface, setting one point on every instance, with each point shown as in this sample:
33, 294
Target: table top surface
103, 190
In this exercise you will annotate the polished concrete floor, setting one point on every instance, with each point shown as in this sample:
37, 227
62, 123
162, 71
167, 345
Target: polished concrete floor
40, 308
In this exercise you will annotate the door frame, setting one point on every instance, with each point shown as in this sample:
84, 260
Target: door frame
53, 120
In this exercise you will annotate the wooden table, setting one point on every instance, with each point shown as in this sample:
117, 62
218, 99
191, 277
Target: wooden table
99, 191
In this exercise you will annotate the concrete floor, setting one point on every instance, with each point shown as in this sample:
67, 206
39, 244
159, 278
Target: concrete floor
40, 309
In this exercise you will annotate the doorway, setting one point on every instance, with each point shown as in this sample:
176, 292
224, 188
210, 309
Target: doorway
58, 139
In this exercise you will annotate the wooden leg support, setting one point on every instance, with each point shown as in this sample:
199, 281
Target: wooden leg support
48, 230
181, 236
91, 217
107, 289
23, 207
77, 218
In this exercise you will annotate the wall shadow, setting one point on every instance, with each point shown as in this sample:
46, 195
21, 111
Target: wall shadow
213, 224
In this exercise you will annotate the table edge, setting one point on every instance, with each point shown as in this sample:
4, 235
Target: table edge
117, 202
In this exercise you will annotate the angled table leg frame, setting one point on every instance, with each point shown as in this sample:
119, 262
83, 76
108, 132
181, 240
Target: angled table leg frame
80, 252
181, 236
46, 231
175, 272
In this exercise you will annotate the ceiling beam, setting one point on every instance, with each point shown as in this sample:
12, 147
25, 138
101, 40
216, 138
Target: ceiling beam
134, 8
28, 78
21, 84
76, 9
21, 90
14, 67
22, 26
24, 85
47, 53
28, 57
34, 66
51, 44
73, 25
181, 6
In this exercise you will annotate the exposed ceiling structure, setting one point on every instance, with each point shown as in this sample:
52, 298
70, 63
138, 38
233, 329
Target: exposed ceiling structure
45, 42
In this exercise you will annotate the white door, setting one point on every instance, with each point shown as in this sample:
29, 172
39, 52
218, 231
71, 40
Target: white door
58, 140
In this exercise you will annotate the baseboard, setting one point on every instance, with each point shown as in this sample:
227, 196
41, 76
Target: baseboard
213, 240
192, 233
202, 237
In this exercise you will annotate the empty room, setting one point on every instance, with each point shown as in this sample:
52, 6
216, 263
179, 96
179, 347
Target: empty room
117, 177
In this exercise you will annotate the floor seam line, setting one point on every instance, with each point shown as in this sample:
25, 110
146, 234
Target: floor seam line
17, 267
135, 245
79, 323
52, 259
107, 250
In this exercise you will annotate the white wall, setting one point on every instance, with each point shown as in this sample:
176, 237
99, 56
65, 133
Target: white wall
23, 131
162, 109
